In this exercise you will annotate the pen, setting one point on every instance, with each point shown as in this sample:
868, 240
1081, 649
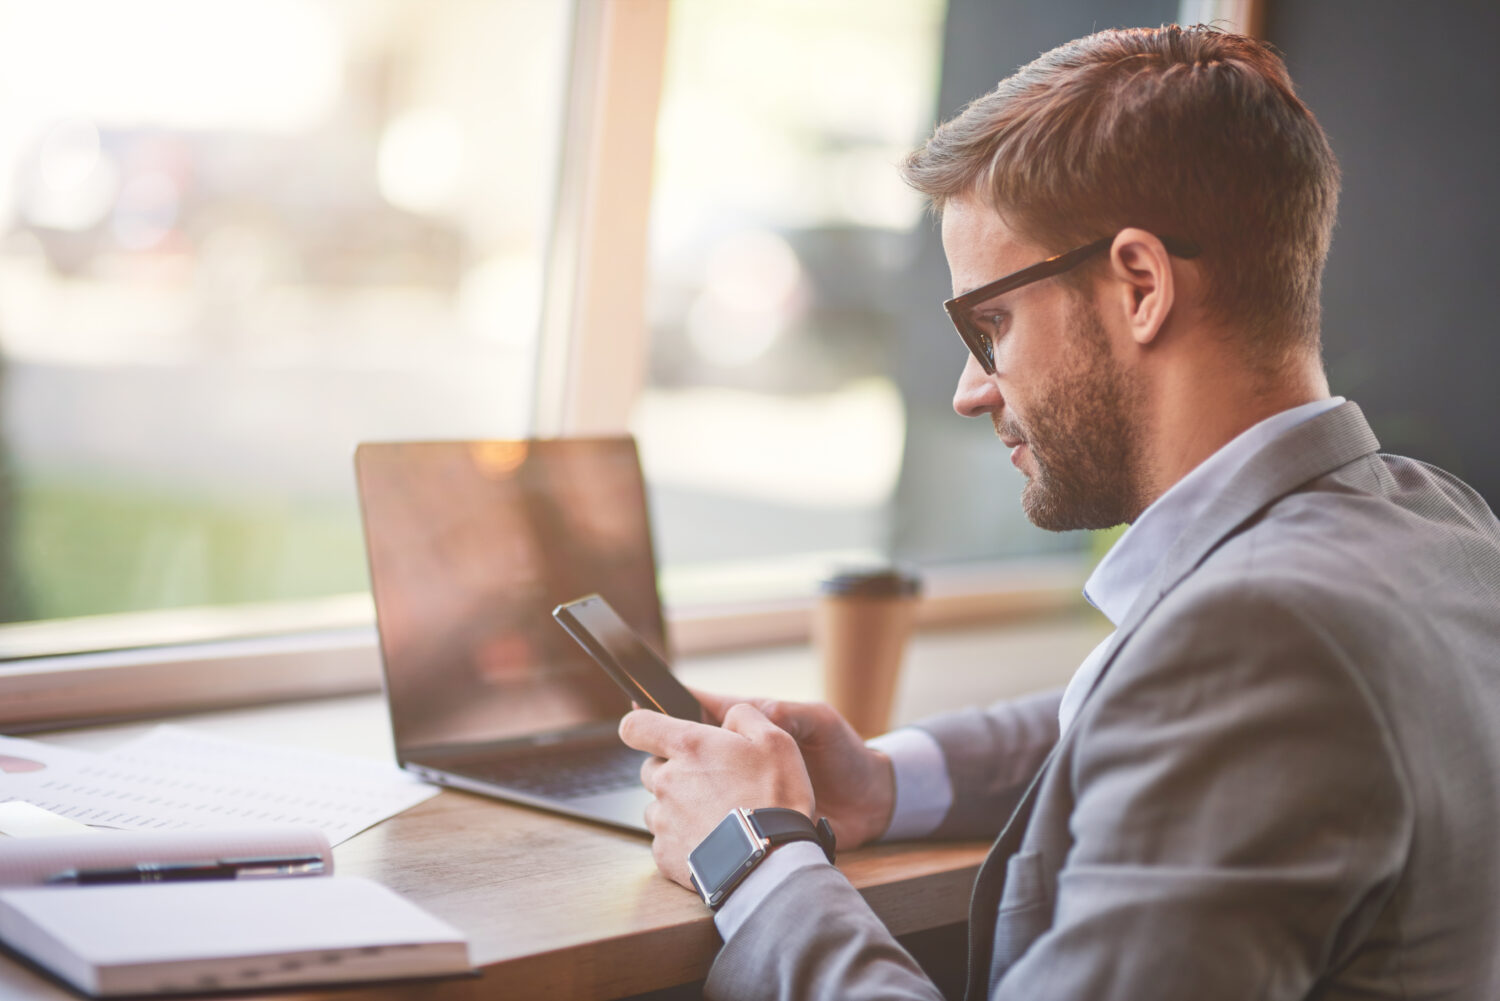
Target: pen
172, 872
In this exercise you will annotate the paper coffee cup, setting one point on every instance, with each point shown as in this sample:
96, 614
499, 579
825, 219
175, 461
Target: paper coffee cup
861, 625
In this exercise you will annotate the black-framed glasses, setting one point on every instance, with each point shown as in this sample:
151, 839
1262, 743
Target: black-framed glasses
963, 310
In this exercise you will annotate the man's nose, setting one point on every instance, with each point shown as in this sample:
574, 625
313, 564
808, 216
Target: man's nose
977, 393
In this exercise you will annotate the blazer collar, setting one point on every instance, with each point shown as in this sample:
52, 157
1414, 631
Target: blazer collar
1312, 449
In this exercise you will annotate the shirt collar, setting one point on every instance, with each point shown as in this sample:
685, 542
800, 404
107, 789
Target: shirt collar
1117, 580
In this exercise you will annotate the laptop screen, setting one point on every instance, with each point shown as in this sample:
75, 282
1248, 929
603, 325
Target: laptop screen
471, 546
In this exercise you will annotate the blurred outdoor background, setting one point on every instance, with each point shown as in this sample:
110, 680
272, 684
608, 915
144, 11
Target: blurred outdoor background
241, 237
237, 237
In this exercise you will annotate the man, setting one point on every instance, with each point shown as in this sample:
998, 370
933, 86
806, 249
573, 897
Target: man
1278, 777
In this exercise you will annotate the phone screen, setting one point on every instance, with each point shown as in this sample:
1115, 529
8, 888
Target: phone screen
626, 657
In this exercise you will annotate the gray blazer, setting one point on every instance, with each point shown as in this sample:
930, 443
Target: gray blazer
1284, 784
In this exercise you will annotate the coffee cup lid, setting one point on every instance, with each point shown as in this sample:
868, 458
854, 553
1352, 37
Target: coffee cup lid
872, 582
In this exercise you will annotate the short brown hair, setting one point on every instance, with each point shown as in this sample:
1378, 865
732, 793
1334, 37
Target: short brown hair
1188, 132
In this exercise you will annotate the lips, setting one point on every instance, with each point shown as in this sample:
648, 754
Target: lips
1014, 442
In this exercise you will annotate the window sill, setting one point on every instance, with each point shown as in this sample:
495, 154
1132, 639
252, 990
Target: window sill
51, 692
47, 692
952, 597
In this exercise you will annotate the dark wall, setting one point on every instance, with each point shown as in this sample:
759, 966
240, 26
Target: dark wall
1409, 95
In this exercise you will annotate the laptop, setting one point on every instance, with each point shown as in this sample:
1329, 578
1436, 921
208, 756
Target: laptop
471, 544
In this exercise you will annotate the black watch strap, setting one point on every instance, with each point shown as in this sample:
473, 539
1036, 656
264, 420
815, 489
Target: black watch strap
779, 825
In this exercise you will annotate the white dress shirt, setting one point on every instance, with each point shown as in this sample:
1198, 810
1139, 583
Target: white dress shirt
924, 790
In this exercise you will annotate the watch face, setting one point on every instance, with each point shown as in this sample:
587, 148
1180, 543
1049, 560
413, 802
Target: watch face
723, 857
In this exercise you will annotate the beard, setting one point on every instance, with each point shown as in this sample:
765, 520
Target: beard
1084, 436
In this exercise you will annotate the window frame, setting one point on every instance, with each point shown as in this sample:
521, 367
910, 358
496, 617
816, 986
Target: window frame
69, 689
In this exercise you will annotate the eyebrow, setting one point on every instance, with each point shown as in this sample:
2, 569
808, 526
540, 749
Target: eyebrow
960, 295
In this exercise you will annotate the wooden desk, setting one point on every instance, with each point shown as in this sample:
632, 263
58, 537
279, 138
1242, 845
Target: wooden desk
559, 908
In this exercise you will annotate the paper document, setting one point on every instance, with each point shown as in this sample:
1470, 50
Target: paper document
176, 778
19, 819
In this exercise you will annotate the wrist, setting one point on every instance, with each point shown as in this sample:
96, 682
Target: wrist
883, 795
917, 782
870, 802
739, 843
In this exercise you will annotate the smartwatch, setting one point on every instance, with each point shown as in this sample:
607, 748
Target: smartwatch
741, 840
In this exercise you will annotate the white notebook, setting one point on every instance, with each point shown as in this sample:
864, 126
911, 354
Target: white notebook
227, 934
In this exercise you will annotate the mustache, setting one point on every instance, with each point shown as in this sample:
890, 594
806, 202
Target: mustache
1008, 429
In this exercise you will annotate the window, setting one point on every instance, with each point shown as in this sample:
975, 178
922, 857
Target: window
236, 239
797, 410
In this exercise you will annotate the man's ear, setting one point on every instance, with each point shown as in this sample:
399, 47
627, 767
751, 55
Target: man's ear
1141, 264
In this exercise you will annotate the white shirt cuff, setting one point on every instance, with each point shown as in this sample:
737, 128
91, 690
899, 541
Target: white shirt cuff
924, 791
773, 870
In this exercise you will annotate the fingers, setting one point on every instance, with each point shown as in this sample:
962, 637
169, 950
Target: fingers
812, 725
784, 714
649, 768
748, 721
797, 718
715, 705
697, 773
657, 733
803, 720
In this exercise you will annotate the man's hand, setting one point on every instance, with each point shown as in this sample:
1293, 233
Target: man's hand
854, 787
699, 773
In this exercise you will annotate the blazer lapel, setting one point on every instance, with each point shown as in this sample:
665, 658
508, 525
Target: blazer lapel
989, 884
1306, 452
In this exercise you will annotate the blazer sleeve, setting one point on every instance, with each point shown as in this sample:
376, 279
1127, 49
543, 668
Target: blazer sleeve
992, 755
1240, 813
815, 937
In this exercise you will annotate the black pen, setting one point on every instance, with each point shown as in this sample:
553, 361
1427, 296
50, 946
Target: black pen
173, 872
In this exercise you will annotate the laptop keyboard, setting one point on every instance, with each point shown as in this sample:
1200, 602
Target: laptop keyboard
566, 772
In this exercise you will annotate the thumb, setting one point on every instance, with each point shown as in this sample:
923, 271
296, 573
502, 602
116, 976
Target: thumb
788, 716
748, 721
716, 706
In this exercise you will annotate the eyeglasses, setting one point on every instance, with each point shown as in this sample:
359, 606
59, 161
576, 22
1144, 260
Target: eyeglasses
964, 309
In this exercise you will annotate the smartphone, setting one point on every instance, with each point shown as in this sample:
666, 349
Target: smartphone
626, 658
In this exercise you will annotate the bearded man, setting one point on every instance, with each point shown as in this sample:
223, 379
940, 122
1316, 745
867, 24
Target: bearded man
1277, 778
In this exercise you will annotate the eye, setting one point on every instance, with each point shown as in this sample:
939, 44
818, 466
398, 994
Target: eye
991, 327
